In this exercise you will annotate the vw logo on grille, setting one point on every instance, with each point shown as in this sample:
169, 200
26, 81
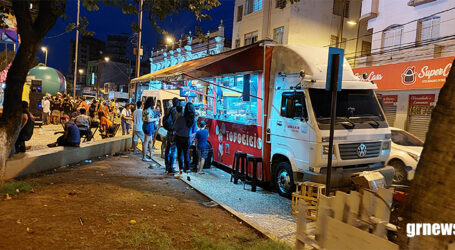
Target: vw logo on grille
361, 150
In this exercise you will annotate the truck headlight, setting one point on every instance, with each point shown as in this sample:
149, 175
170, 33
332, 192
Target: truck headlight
385, 145
414, 156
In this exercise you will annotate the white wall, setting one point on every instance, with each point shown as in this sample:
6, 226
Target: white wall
308, 22
398, 12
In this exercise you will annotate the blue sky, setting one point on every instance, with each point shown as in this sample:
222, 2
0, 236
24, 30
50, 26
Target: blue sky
110, 20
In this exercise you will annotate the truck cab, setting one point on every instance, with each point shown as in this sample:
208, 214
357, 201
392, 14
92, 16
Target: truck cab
299, 122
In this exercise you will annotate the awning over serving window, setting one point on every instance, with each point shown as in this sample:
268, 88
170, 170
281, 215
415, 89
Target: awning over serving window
247, 58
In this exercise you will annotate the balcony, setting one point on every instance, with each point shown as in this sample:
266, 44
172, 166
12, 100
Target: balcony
415, 3
369, 9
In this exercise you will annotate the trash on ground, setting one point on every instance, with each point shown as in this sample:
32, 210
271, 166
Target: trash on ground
132, 221
81, 221
210, 204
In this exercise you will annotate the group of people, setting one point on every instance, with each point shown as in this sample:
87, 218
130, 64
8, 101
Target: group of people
181, 128
55, 107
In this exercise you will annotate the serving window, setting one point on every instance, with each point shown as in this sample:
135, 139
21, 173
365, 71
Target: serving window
230, 98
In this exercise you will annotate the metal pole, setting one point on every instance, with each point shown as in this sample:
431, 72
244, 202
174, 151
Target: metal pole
341, 26
333, 111
76, 48
138, 54
45, 59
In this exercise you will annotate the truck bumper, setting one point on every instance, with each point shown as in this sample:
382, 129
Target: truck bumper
341, 177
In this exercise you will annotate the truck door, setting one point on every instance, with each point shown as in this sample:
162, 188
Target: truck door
290, 132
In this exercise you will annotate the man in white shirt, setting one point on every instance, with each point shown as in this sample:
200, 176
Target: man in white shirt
126, 119
46, 104
138, 133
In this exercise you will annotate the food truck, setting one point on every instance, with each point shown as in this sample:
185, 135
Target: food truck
270, 101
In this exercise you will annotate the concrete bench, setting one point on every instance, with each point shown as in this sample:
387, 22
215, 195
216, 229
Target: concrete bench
50, 158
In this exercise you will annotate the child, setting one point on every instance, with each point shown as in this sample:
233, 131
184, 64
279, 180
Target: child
202, 145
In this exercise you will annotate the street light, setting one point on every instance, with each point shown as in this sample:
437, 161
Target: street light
81, 72
169, 40
351, 22
44, 49
106, 59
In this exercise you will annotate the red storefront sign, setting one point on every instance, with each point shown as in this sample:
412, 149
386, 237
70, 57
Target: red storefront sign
421, 100
390, 100
423, 74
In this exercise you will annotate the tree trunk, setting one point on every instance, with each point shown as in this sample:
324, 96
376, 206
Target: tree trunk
432, 193
32, 31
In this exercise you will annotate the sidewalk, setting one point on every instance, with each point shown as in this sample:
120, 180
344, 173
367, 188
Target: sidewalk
265, 210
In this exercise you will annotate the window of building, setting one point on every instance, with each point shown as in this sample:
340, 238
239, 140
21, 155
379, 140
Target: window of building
278, 34
334, 42
366, 48
237, 43
252, 6
338, 7
239, 13
392, 36
250, 38
280, 4
428, 29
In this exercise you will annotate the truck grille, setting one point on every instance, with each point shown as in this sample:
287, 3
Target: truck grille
349, 151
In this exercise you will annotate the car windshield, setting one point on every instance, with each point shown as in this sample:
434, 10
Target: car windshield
355, 105
404, 138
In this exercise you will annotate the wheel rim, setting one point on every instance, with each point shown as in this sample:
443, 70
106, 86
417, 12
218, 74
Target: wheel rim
399, 175
284, 181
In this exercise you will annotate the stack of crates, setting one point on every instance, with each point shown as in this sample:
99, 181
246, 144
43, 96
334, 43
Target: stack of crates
308, 192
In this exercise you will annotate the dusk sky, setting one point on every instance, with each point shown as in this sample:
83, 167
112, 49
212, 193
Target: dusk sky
110, 20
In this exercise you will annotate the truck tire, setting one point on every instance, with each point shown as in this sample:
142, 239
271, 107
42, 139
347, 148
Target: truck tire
400, 176
284, 179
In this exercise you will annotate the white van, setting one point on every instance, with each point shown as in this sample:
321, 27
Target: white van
162, 98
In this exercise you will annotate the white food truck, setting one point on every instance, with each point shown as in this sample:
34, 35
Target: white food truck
270, 101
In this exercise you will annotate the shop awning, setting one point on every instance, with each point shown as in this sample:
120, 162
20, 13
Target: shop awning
243, 59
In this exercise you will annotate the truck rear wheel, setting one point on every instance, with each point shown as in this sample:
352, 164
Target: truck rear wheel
284, 179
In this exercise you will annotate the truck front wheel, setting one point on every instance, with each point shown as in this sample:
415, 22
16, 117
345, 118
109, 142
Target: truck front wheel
284, 179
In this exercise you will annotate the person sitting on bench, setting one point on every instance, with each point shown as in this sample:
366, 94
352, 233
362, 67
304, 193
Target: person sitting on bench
71, 136
83, 124
107, 126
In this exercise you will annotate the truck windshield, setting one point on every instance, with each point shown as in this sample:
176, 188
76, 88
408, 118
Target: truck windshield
353, 106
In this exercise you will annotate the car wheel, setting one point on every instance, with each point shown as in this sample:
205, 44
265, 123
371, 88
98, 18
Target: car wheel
284, 179
400, 175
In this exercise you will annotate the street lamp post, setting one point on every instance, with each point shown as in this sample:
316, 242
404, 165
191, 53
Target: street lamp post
44, 49
139, 50
76, 48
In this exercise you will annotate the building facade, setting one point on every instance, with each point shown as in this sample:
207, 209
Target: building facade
90, 49
189, 47
310, 22
412, 49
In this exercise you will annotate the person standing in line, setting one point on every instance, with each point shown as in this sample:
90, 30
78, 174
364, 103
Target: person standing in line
202, 146
46, 110
148, 127
171, 148
126, 119
138, 133
184, 126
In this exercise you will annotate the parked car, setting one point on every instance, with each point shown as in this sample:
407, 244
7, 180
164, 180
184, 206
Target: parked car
404, 156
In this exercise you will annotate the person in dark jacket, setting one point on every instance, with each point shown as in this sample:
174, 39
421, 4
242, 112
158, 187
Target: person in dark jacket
26, 130
184, 126
171, 147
